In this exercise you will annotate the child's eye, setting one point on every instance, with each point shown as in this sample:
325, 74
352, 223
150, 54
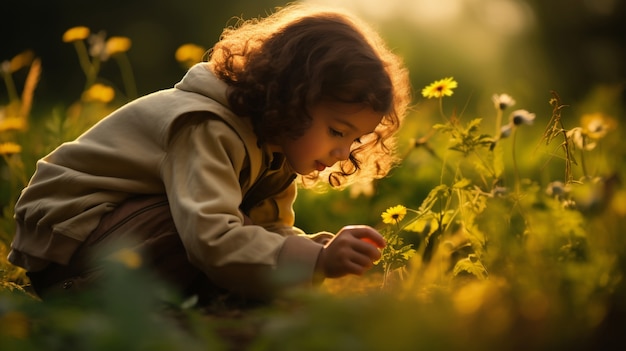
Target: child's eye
335, 132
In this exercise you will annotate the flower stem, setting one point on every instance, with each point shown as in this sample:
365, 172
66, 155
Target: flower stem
515, 169
443, 115
127, 75
10, 84
496, 136
83, 56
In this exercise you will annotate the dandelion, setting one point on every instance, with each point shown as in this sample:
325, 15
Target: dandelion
10, 148
502, 101
440, 88
75, 34
519, 117
189, 54
99, 92
116, 45
394, 214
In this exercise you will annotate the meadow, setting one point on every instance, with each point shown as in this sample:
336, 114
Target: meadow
504, 231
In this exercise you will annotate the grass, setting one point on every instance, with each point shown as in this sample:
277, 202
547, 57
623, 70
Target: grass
498, 239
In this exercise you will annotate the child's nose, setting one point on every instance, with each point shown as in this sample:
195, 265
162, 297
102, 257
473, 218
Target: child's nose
341, 152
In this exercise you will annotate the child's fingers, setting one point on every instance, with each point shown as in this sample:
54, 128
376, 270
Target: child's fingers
367, 234
372, 242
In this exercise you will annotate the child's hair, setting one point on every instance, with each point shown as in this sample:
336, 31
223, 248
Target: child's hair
279, 66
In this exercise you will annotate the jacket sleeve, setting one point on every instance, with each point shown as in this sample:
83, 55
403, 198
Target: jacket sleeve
201, 176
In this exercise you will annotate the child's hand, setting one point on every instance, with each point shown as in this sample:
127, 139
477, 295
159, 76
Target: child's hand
352, 251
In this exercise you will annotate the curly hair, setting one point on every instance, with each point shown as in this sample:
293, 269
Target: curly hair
279, 66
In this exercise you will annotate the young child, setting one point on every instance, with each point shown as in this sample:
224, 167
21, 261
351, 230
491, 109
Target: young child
200, 179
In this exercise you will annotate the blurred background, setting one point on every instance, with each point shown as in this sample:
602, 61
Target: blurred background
525, 48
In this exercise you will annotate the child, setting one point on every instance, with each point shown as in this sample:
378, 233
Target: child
200, 179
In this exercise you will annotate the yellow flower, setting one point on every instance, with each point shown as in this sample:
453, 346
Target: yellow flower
116, 45
10, 148
99, 92
394, 214
12, 123
75, 34
22, 59
128, 258
189, 54
597, 125
440, 88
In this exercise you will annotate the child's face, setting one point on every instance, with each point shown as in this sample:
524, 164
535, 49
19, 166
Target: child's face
335, 128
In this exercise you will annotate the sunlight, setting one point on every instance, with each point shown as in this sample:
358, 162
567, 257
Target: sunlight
501, 16
477, 33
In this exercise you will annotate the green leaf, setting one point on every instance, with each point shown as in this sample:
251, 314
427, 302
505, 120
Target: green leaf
462, 183
471, 265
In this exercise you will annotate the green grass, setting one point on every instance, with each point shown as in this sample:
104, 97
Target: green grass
492, 253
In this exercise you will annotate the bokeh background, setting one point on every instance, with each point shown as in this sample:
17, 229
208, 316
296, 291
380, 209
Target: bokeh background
556, 271
526, 48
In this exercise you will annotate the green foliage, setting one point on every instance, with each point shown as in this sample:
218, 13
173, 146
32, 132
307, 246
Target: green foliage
465, 139
487, 251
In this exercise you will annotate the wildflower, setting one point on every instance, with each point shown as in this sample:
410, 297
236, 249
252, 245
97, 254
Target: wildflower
579, 139
394, 214
189, 53
519, 117
75, 34
10, 148
440, 88
22, 59
116, 45
99, 92
596, 125
502, 101
557, 189
128, 258
12, 123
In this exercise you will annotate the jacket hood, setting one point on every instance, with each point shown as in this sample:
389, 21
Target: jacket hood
200, 79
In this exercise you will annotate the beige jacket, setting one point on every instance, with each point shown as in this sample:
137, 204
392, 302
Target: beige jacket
186, 143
